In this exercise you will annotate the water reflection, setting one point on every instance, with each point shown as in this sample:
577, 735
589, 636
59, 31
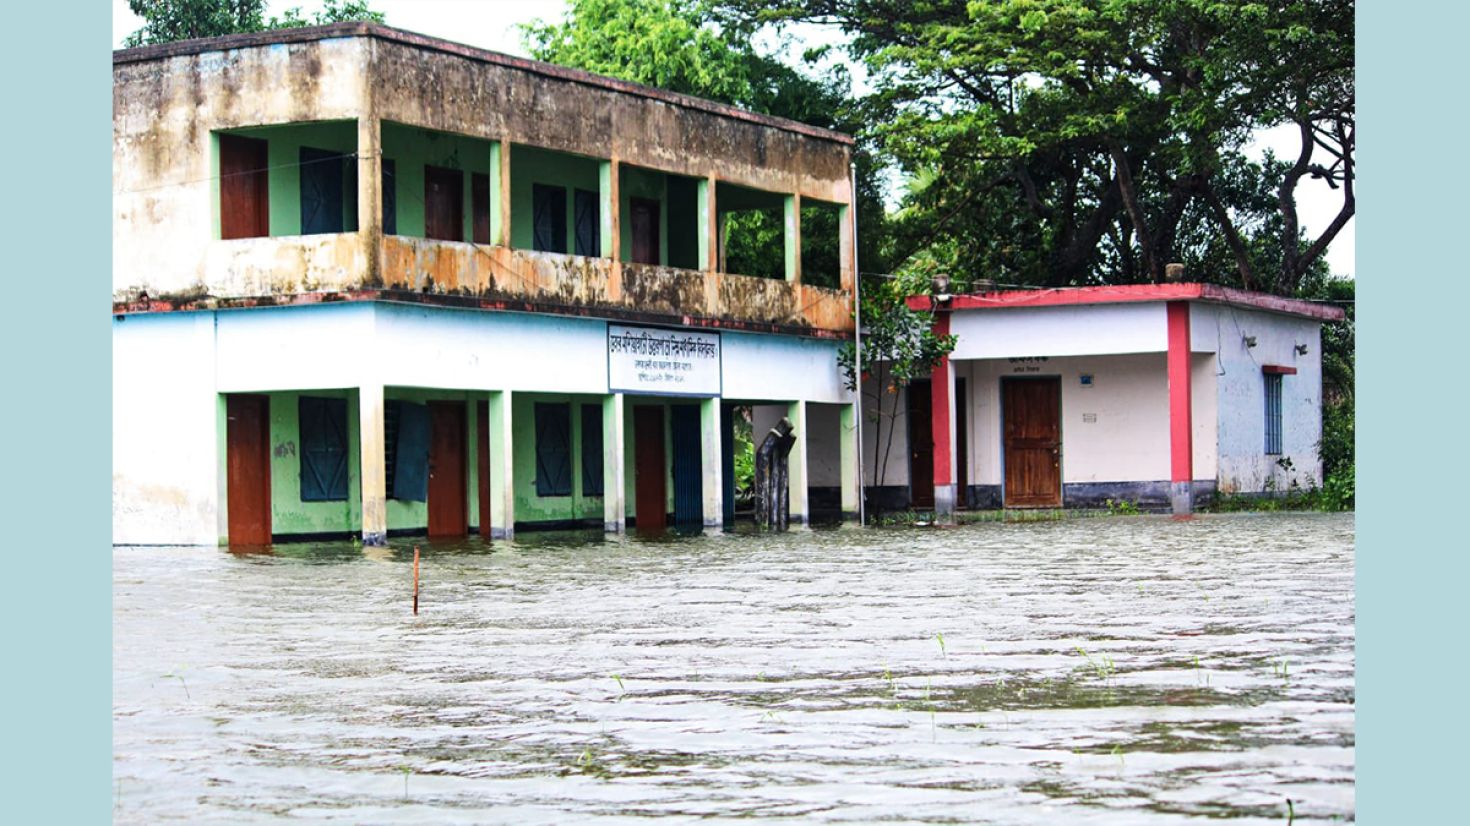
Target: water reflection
1131, 669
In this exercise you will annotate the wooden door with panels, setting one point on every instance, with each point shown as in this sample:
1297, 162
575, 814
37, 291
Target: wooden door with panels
1032, 413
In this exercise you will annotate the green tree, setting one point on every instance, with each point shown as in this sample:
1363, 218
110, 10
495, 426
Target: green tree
1075, 141
683, 46
171, 20
898, 345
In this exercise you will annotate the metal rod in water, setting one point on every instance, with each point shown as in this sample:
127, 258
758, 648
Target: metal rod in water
415, 580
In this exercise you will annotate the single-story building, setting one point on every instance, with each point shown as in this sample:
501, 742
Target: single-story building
1154, 394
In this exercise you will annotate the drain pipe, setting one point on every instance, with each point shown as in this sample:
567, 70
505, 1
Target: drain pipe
857, 348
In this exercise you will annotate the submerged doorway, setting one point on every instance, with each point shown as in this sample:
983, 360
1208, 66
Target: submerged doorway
248, 475
448, 510
651, 499
1032, 409
688, 469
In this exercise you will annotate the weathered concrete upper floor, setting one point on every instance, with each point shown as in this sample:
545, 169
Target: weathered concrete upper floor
379, 97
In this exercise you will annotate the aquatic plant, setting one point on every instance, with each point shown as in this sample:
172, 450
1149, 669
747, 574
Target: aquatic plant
1102, 666
1282, 669
180, 677
940, 638
407, 770
1122, 507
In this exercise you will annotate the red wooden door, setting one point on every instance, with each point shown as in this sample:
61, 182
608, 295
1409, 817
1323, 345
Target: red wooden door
443, 203
447, 493
649, 468
244, 198
482, 456
644, 229
248, 473
1033, 466
921, 445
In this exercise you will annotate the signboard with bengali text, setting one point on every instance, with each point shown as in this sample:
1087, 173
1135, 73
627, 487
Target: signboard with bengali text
662, 362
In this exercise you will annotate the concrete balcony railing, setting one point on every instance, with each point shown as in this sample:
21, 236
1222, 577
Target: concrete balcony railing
317, 268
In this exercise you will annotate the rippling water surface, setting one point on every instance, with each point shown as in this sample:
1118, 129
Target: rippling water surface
1130, 669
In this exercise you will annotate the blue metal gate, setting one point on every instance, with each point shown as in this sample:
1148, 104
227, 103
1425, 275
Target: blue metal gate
688, 481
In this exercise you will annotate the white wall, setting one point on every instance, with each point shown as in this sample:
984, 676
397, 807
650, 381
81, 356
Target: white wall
165, 459
1128, 402
168, 369
1060, 331
823, 445
756, 366
1244, 465
876, 434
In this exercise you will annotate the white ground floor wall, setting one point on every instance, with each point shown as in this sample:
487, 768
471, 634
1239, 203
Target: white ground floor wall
171, 371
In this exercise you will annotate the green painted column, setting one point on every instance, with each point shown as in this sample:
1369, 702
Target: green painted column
796, 464
708, 229
711, 465
373, 467
499, 189
502, 467
607, 186
792, 237
614, 502
847, 433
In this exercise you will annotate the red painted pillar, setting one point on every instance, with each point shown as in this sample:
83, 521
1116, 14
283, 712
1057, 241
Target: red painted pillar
1181, 429
941, 389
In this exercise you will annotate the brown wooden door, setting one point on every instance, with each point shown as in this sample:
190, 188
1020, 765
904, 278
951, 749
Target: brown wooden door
1033, 440
921, 445
248, 476
443, 203
643, 220
447, 494
244, 197
482, 464
649, 469
961, 445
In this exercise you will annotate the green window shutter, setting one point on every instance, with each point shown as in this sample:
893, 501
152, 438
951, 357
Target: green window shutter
553, 450
549, 216
591, 450
323, 437
411, 455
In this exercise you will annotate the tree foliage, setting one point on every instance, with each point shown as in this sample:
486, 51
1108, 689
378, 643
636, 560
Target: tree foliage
1081, 141
898, 345
171, 20
684, 46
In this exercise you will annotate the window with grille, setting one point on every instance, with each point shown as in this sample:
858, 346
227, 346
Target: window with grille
323, 436
549, 218
1273, 414
591, 450
553, 449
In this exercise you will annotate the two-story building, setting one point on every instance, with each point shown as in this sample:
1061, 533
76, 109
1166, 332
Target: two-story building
369, 282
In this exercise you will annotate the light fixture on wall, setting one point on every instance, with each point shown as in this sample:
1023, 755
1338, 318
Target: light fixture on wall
1250, 341
1301, 349
941, 288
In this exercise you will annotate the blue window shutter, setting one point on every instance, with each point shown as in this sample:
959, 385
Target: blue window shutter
322, 425
549, 218
411, 456
553, 450
687, 468
321, 191
390, 197
589, 228
591, 450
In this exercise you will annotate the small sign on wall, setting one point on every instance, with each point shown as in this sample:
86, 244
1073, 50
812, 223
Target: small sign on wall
660, 362
1089, 418
1027, 364
1085, 379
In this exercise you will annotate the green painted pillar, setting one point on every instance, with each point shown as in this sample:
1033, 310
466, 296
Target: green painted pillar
502, 467
708, 226
847, 433
614, 503
373, 469
712, 464
499, 231
607, 186
796, 464
792, 236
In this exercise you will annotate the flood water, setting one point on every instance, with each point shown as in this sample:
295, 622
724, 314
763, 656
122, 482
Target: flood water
1109, 670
